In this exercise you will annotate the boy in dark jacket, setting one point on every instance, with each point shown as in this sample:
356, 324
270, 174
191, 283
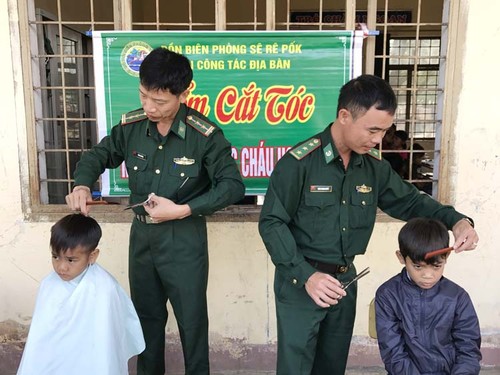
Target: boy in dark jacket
426, 324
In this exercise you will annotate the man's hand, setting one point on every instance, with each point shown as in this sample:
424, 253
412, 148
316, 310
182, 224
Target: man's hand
78, 198
466, 237
324, 289
162, 209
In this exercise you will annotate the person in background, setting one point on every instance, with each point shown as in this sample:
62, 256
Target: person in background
180, 170
391, 143
388, 139
84, 322
416, 169
399, 140
319, 213
426, 324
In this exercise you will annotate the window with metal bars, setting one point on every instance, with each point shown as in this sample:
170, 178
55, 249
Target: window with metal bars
63, 105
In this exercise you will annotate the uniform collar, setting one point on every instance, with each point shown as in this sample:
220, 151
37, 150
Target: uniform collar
330, 152
178, 126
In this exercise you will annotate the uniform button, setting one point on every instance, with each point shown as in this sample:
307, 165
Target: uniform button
135, 168
294, 281
343, 229
343, 202
157, 171
182, 174
363, 203
160, 147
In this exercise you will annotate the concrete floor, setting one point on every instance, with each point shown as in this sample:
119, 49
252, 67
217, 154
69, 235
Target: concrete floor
353, 371
350, 371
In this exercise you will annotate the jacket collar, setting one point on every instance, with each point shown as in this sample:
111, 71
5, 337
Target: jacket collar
178, 125
330, 151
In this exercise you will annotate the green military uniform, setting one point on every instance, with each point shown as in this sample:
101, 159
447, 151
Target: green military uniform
316, 209
191, 165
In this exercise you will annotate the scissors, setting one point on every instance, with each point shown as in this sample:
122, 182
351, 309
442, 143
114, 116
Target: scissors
145, 203
365, 272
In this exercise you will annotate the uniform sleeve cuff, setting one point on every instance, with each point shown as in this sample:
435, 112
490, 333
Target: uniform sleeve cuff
301, 273
195, 209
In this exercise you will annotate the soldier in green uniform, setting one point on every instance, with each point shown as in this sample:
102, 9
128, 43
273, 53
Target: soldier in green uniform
182, 161
319, 213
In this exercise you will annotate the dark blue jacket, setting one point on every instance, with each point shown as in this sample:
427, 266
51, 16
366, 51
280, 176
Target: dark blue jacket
427, 331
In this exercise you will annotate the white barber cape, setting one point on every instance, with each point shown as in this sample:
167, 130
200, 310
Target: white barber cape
86, 326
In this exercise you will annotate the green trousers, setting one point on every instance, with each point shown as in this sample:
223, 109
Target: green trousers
169, 262
312, 339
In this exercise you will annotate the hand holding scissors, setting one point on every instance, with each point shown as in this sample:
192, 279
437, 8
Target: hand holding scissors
365, 272
144, 203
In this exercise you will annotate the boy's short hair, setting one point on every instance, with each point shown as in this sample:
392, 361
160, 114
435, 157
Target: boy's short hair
420, 236
164, 70
361, 93
73, 231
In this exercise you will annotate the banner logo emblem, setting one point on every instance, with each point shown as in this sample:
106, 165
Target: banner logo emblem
132, 56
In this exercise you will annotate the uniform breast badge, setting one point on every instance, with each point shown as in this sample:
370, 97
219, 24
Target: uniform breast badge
363, 189
184, 161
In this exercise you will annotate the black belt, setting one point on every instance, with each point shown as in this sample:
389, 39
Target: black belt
144, 219
327, 267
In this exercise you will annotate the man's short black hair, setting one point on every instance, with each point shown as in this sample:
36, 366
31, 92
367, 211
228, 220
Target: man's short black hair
420, 236
73, 231
164, 70
361, 93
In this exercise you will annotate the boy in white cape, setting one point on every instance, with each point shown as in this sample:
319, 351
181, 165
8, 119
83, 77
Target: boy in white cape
84, 322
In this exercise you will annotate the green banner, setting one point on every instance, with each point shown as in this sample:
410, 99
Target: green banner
266, 90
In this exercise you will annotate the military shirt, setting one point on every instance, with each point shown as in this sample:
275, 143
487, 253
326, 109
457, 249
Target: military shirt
316, 208
191, 165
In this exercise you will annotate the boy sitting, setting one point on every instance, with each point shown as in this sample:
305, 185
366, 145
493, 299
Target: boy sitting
426, 324
84, 322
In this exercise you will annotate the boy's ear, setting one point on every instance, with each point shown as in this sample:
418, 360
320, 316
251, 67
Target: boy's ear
400, 257
93, 256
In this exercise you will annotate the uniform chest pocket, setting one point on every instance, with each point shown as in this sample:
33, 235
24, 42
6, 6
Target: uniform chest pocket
184, 171
318, 210
363, 210
320, 200
362, 199
139, 176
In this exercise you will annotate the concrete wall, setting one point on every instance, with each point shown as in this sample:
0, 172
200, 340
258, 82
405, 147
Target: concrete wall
241, 302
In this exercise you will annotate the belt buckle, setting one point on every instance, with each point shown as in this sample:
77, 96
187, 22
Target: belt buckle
342, 269
146, 219
149, 220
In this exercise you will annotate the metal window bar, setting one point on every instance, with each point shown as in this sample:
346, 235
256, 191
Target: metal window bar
274, 19
415, 118
65, 58
254, 23
159, 24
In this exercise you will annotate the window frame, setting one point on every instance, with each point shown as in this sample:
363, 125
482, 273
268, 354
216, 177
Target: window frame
32, 205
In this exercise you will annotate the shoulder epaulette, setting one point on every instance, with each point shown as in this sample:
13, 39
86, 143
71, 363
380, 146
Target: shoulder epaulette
200, 125
134, 116
305, 148
375, 153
